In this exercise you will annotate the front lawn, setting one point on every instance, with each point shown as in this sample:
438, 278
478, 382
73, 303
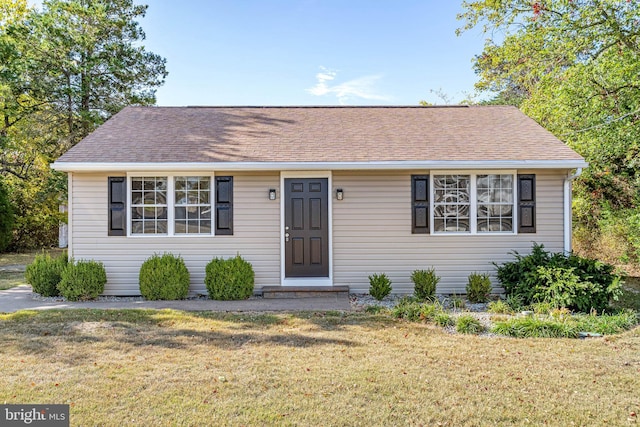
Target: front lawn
135, 367
9, 279
24, 258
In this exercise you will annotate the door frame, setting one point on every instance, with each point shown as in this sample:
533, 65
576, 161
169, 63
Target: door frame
306, 281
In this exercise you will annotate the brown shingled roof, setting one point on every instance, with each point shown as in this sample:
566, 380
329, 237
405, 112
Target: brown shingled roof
318, 134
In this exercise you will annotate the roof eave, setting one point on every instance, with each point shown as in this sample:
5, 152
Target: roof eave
310, 166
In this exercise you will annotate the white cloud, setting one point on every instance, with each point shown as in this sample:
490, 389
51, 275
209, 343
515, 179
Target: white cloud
361, 87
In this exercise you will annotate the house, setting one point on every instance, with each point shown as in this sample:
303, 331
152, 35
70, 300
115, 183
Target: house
318, 196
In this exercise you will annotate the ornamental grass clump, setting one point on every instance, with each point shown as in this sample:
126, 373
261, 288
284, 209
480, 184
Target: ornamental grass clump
379, 286
229, 279
82, 280
467, 324
425, 283
164, 277
44, 274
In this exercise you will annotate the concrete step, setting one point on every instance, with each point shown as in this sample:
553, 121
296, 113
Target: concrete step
304, 291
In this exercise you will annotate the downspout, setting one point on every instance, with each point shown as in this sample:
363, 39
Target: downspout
567, 209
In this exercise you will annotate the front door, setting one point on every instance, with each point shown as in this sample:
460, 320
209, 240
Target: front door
306, 227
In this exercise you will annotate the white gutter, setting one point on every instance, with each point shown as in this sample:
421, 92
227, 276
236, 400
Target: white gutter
309, 166
567, 209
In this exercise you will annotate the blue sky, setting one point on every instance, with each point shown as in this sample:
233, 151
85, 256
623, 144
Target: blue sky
311, 52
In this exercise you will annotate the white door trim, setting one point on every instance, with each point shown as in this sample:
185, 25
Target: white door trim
306, 281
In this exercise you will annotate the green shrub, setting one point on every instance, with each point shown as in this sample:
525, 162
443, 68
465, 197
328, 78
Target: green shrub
44, 274
425, 283
580, 284
467, 324
229, 279
514, 302
379, 286
164, 277
82, 280
478, 287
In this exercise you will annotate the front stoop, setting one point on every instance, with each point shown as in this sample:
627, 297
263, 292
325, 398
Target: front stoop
304, 291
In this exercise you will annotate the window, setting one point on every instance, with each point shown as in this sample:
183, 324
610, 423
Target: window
149, 205
192, 205
474, 203
451, 203
495, 203
171, 205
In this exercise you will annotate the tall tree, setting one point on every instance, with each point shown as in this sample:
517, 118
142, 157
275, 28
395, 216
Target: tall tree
94, 61
574, 66
64, 70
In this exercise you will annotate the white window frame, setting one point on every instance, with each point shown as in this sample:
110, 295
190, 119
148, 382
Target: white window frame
170, 203
145, 206
197, 205
473, 199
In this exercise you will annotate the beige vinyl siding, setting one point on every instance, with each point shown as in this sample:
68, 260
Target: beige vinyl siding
256, 232
372, 234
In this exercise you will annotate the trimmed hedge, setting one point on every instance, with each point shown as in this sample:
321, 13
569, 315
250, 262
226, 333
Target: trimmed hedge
44, 274
82, 280
164, 277
229, 279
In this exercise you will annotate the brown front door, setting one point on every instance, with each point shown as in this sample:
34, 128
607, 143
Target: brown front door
306, 225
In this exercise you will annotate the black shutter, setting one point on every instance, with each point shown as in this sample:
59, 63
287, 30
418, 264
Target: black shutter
420, 204
117, 206
224, 205
526, 203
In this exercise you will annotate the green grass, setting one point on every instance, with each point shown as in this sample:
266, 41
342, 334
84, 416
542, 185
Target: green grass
467, 324
165, 368
10, 279
24, 258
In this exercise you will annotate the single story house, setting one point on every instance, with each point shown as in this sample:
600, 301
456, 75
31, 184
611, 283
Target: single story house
318, 196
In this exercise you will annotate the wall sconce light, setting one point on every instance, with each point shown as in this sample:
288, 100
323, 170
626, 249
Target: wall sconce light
272, 194
339, 194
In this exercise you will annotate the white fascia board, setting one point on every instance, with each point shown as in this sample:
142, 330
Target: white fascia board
283, 166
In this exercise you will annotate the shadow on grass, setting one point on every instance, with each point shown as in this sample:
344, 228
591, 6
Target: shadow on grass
43, 332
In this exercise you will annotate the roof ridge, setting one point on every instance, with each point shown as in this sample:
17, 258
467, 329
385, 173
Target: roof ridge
316, 106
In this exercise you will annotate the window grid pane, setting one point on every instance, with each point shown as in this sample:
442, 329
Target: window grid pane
451, 203
192, 205
495, 203
149, 205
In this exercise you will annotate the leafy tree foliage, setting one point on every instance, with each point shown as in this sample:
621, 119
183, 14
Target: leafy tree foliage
574, 66
64, 71
6, 218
